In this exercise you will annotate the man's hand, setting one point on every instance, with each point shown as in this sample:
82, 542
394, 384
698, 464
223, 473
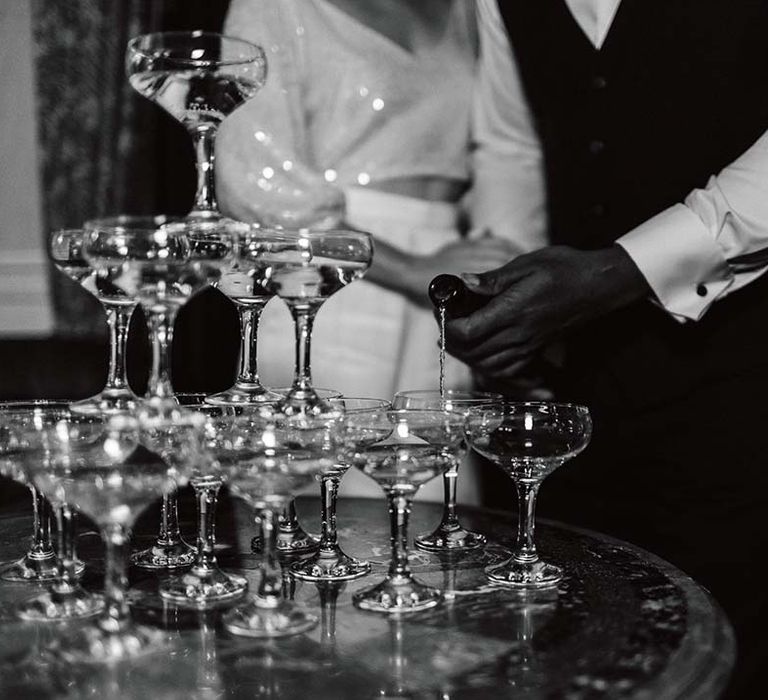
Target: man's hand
410, 274
537, 298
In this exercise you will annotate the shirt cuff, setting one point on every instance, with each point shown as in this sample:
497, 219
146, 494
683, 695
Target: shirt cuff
681, 262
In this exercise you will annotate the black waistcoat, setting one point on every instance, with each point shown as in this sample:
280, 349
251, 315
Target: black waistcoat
678, 91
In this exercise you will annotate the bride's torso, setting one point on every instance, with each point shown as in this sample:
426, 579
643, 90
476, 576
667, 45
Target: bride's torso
372, 108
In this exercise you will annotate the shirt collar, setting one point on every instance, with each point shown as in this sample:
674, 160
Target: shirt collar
595, 17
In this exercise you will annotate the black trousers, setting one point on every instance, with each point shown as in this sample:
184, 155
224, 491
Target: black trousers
689, 482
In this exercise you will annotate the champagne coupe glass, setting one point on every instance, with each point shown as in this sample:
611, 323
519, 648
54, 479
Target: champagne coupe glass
111, 478
66, 250
291, 537
248, 284
25, 439
267, 457
40, 561
162, 264
330, 563
418, 448
205, 584
449, 535
199, 78
325, 262
528, 440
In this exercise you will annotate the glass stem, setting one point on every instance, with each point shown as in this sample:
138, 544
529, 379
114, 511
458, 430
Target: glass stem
206, 526
41, 527
329, 594
399, 511
118, 320
208, 670
169, 533
304, 319
249, 323
67, 577
205, 196
526, 549
161, 331
116, 615
450, 479
288, 588
289, 521
269, 594
397, 660
329, 488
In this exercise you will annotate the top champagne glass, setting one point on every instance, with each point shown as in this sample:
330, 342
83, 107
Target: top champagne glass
199, 78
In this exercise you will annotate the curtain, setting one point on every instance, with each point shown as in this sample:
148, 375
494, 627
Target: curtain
93, 162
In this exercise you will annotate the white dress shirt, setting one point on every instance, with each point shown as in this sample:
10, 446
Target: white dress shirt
682, 251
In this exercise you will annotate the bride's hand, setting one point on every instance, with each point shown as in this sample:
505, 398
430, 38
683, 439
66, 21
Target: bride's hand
467, 255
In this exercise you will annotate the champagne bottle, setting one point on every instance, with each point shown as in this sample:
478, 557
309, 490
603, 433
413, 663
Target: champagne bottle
450, 292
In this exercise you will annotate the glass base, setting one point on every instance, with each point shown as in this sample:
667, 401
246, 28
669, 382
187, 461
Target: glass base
161, 408
94, 644
312, 401
202, 588
109, 401
448, 538
54, 606
518, 574
243, 394
32, 567
397, 595
165, 556
204, 216
330, 566
264, 620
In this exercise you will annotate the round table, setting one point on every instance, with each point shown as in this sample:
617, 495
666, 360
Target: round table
622, 624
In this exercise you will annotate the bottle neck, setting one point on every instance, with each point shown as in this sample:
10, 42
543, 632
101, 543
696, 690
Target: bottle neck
450, 293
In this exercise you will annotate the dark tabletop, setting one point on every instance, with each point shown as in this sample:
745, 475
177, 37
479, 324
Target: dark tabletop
622, 624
